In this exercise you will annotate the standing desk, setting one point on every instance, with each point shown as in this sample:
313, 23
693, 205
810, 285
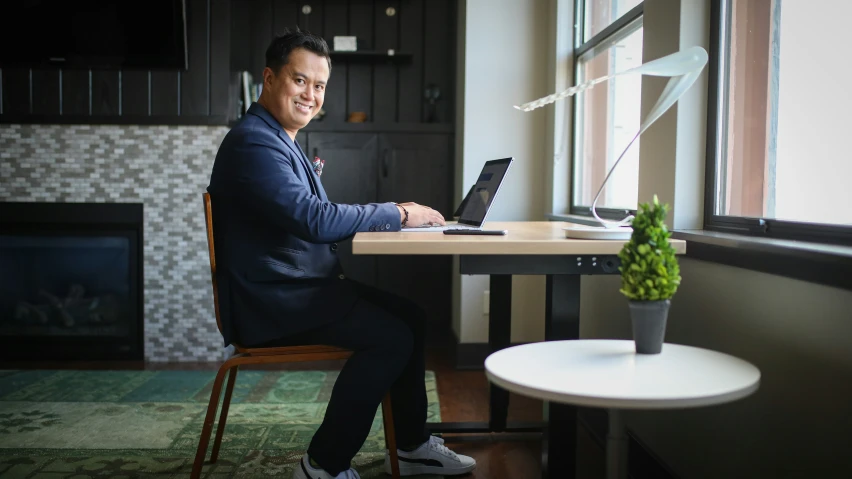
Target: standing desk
529, 248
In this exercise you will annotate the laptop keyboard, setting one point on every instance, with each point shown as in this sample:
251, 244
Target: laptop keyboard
439, 228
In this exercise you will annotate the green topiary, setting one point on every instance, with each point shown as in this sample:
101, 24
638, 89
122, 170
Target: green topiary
649, 268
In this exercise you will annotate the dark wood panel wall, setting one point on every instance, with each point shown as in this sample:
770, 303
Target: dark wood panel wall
421, 32
229, 36
198, 95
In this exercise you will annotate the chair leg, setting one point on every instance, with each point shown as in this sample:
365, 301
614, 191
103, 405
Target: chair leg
223, 416
204, 440
390, 435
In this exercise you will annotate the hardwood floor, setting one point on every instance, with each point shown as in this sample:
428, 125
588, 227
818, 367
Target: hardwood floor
463, 396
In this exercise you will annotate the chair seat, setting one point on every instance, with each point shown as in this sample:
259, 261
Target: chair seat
288, 350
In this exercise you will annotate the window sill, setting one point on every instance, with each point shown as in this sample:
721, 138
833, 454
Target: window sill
826, 264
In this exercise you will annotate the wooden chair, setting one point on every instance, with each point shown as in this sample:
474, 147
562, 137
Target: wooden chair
244, 355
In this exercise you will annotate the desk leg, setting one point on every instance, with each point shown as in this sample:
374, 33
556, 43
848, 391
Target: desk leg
499, 337
562, 321
562, 310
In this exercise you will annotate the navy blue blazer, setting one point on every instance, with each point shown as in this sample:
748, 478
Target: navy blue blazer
275, 233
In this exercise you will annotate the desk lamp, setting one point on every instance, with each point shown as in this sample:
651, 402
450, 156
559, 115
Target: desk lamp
683, 68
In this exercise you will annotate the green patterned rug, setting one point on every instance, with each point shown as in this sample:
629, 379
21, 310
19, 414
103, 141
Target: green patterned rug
129, 424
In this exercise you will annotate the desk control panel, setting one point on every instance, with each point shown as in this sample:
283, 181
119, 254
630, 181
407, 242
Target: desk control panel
539, 264
606, 264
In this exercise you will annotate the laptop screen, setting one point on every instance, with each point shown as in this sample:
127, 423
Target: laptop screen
459, 210
484, 192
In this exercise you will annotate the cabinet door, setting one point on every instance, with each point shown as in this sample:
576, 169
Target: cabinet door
418, 167
302, 140
349, 177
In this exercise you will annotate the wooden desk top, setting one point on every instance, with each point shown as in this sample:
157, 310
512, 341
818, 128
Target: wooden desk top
523, 238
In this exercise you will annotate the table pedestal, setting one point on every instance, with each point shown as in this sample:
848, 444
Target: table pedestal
616, 447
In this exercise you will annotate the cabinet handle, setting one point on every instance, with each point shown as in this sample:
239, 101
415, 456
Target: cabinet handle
385, 163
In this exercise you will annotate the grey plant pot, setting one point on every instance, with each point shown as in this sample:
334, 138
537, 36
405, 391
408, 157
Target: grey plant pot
649, 325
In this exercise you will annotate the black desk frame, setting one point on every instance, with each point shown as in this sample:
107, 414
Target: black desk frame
562, 321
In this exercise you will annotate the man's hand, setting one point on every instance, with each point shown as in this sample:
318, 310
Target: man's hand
419, 215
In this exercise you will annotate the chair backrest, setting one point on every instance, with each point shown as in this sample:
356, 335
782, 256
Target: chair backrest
211, 250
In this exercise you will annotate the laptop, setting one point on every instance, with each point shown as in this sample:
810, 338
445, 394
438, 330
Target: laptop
459, 210
474, 209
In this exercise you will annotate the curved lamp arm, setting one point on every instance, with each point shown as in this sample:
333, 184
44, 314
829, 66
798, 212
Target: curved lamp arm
683, 67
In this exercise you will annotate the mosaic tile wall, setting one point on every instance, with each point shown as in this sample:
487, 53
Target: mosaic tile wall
166, 168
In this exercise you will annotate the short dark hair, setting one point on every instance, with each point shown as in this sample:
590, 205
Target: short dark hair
278, 52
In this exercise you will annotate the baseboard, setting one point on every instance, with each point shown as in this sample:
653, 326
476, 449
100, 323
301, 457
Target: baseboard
471, 356
642, 462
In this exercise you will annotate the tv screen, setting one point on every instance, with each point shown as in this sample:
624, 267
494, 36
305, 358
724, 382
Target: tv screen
125, 34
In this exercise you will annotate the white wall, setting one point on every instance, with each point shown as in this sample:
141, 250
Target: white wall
504, 45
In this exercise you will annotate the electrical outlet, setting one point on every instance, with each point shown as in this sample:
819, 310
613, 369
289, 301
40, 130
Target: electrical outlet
486, 303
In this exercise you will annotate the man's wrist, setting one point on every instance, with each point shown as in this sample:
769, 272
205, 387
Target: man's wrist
403, 215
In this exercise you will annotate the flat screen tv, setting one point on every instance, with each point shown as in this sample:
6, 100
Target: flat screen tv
126, 34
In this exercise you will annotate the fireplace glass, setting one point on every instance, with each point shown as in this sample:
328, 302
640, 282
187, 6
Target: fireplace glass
65, 286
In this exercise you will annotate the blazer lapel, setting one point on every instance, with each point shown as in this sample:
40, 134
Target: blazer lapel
312, 173
258, 110
309, 171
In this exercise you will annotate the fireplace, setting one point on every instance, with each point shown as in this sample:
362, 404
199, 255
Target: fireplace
71, 281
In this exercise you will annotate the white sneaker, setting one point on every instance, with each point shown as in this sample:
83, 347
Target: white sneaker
305, 471
432, 457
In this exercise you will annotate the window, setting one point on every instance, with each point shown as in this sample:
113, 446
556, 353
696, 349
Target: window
607, 117
779, 163
599, 14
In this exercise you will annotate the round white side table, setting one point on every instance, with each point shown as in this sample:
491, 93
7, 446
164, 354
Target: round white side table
609, 374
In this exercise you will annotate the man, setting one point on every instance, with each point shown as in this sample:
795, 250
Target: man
280, 281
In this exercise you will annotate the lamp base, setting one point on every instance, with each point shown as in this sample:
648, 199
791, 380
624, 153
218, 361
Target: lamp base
598, 232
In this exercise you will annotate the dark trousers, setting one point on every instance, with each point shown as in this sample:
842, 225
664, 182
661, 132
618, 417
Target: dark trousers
387, 334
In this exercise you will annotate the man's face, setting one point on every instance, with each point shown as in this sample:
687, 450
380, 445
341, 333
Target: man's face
296, 93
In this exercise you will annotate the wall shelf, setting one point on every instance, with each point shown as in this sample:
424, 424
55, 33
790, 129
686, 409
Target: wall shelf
368, 127
370, 56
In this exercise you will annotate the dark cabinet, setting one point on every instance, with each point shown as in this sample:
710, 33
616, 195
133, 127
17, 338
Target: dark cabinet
349, 176
365, 168
418, 168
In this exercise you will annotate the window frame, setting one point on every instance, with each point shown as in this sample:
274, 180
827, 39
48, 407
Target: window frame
720, 11
579, 49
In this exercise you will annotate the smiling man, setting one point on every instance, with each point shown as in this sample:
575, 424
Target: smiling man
281, 283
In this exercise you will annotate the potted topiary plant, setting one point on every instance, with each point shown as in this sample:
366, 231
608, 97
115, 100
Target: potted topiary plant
650, 276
